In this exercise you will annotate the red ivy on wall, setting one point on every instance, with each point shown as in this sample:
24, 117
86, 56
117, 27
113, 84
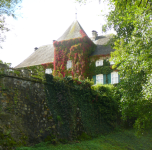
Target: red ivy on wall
46, 65
77, 50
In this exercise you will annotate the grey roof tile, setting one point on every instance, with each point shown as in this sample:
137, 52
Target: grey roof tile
103, 48
72, 32
42, 55
45, 54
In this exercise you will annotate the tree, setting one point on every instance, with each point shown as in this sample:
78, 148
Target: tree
132, 20
133, 56
7, 7
85, 1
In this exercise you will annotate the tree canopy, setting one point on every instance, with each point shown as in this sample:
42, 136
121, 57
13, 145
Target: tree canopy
7, 7
132, 20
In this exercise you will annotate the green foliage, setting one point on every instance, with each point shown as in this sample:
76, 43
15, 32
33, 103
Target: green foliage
8, 142
105, 69
122, 140
7, 7
58, 118
84, 137
108, 90
77, 50
50, 117
8, 64
39, 71
17, 72
51, 139
98, 110
132, 22
112, 96
64, 141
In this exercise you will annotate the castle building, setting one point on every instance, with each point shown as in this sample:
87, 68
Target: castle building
75, 53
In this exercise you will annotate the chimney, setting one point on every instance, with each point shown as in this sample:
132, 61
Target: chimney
35, 48
94, 35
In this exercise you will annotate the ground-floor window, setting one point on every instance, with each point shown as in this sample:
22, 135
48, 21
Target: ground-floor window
99, 78
114, 77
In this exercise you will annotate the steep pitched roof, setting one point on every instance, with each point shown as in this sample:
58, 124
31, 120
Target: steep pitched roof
103, 48
72, 32
42, 55
45, 54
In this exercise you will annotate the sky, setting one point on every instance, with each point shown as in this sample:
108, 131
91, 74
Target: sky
43, 21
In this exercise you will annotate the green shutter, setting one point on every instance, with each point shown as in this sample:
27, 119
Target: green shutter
118, 78
109, 78
94, 79
104, 79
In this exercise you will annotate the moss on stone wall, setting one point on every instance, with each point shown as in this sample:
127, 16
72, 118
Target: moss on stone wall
12, 132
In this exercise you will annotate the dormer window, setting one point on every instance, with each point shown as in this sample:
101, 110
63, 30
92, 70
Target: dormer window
99, 63
48, 71
69, 64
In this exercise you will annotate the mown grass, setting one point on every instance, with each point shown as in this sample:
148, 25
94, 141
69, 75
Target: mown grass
120, 140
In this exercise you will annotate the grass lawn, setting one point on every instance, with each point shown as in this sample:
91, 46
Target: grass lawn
120, 140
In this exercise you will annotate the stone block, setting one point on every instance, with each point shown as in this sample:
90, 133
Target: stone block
45, 112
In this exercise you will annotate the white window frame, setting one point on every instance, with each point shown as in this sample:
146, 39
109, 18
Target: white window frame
114, 77
69, 64
99, 78
99, 63
48, 70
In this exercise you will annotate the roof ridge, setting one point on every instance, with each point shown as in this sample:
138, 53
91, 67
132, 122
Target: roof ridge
72, 32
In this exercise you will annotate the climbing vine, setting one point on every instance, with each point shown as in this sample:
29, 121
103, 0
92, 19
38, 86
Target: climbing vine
77, 50
39, 70
97, 111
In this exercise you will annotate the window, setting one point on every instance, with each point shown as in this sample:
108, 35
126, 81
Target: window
99, 78
69, 64
99, 63
48, 71
114, 77
112, 63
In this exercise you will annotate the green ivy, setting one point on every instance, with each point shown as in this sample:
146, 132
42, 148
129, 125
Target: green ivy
105, 69
39, 70
97, 110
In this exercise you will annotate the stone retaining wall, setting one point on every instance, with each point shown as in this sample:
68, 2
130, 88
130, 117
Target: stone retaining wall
26, 99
